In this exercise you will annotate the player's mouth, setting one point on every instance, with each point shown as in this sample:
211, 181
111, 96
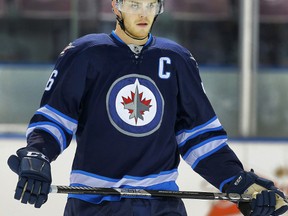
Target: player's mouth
142, 24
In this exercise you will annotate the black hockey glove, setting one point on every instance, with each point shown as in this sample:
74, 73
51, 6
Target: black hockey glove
267, 199
33, 169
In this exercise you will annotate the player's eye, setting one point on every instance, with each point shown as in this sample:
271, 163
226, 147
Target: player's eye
134, 5
151, 5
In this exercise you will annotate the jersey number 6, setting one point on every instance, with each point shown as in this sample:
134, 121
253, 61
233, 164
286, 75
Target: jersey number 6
51, 80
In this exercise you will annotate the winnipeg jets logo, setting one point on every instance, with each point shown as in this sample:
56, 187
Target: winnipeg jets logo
135, 105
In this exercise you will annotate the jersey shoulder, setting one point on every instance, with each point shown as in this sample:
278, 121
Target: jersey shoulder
173, 47
170, 45
87, 41
93, 40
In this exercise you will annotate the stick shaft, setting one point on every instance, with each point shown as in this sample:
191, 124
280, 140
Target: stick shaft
140, 193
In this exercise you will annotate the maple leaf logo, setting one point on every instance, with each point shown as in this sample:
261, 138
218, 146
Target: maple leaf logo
136, 105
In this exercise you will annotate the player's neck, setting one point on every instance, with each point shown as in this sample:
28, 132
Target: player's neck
127, 39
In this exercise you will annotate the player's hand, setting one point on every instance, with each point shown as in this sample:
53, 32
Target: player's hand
267, 199
33, 169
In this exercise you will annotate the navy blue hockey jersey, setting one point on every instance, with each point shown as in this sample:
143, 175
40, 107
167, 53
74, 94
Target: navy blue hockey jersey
133, 115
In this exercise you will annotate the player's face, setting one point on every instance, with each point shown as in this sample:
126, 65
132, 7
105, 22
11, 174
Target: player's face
138, 15
138, 25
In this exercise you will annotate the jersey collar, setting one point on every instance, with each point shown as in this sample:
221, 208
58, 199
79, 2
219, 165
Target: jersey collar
114, 35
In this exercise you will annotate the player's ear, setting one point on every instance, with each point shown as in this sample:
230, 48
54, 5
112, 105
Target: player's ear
114, 9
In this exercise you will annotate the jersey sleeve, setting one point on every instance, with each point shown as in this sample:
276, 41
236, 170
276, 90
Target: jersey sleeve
53, 125
202, 141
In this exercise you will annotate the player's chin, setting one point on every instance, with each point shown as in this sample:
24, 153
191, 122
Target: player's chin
143, 35
143, 32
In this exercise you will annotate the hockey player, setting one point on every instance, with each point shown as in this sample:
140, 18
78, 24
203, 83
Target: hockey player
135, 103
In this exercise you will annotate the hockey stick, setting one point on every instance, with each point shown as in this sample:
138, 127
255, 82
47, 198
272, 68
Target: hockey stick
140, 193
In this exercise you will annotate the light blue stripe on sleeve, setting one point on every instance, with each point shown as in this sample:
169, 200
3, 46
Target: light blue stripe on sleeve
204, 149
52, 129
68, 123
212, 125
